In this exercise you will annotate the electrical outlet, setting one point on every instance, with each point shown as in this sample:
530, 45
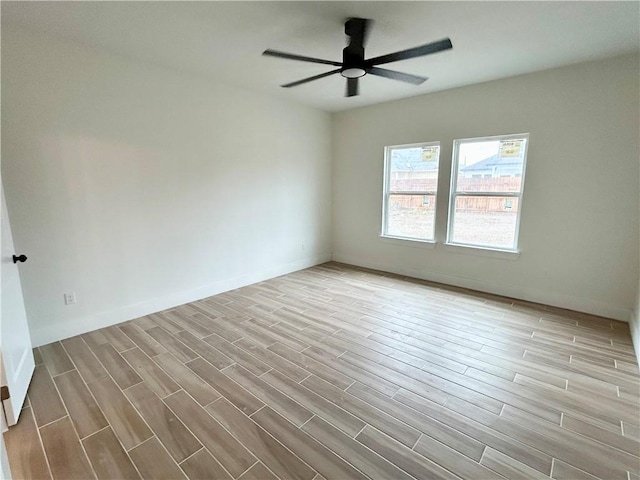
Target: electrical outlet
70, 298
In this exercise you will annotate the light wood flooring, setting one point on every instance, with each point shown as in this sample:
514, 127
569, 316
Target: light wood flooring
339, 373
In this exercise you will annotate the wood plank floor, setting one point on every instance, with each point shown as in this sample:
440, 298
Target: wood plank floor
337, 372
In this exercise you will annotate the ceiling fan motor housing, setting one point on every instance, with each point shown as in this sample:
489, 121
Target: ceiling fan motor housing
353, 57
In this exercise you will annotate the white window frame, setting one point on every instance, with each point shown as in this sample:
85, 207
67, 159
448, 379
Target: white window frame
387, 192
453, 194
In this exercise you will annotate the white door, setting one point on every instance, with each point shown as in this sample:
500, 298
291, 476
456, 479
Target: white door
17, 363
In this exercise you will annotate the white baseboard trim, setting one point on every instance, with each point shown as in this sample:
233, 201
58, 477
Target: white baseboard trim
98, 320
578, 304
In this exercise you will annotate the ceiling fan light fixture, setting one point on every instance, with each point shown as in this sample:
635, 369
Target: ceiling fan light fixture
353, 72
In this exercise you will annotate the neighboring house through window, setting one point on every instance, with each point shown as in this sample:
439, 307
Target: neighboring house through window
487, 177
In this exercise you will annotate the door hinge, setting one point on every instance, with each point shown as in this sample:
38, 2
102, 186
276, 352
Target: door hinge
4, 393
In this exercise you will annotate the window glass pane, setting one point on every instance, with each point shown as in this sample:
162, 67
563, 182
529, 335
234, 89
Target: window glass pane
491, 166
414, 169
486, 221
411, 216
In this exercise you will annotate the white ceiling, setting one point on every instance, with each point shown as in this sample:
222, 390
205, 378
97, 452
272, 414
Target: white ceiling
223, 41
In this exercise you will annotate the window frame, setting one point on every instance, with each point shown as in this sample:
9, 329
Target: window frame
386, 195
453, 193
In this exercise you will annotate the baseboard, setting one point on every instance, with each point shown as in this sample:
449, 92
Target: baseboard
98, 320
538, 296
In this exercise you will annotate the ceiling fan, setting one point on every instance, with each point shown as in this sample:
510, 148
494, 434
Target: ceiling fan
354, 65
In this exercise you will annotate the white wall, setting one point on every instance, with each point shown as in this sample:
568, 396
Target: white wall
141, 188
579, 227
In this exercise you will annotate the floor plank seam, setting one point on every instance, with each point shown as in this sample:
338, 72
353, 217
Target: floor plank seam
55, 385
46, 458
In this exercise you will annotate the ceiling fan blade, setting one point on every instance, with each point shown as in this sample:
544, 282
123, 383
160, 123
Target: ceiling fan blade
433, 47
310, 79
393, 75
358, 30
291, 56
352, 87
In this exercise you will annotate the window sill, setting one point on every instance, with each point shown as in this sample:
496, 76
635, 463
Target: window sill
408, 242
452, 247
480, 251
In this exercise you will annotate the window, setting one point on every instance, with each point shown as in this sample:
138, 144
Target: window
485, 211
410, 187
